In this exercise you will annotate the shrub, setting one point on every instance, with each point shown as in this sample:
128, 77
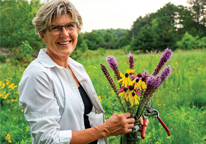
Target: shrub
2, 58
26, 49
188, 42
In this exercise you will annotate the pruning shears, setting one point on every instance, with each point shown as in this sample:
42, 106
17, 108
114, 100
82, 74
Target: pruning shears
152, 112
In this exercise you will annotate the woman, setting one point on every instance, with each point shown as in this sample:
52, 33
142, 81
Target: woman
58, 98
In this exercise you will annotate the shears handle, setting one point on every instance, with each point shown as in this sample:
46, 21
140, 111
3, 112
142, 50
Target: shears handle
163, 124
144, 129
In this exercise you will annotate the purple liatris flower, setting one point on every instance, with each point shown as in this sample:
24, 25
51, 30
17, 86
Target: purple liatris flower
166, 72
164, 58
145, 76
111, 82
131, 61
154, 81
113, 65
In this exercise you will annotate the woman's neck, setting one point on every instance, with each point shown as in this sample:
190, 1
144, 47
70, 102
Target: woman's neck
61, 61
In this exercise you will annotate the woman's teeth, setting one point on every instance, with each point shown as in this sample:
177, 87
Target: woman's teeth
64, 43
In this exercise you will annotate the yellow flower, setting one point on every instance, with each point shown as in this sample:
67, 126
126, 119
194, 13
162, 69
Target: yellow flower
12, 100
139, 85
125, 80
133, 98
4, 97
178, 88
100, 98
159, 104
17, 92
7, 81
9, 141
11, 85
89, 66
176, 63
125, 93
8, 137
94, 67
164, 104
22, 110
130, 71
2, 85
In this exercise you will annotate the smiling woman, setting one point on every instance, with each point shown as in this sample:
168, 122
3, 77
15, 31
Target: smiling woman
59, 100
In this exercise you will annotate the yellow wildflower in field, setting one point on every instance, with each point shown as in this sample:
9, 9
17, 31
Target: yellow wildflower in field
100, 98
22, 110
89, 66
178, 88
7, 82
8, 137
9, 141
164, 104
12, 86
2, 85
94, 67
4, 97
176, 63
17, 92
159, 104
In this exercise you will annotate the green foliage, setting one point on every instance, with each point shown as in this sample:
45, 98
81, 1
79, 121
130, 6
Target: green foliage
16, 23
26, 49
190, 42
84, 46
2, 58
157, 36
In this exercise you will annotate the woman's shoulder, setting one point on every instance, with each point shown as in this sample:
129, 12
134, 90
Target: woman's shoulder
35, 69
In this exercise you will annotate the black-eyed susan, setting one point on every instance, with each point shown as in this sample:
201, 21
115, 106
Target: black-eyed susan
133, 98
125, 93
125, 80
139, 84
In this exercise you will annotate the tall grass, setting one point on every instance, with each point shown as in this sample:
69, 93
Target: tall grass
180, 100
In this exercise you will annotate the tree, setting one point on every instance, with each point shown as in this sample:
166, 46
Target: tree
84, 46
16, 24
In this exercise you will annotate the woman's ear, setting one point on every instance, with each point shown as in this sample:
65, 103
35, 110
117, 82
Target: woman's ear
42, 35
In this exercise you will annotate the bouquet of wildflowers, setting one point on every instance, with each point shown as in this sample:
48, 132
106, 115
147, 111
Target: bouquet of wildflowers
136, 89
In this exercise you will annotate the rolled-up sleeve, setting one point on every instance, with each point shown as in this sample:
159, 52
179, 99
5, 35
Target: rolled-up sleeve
41, 110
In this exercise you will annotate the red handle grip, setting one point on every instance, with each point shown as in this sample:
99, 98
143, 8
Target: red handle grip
144, 129
163, 124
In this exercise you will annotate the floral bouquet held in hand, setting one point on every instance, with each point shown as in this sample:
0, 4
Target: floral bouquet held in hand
136, 89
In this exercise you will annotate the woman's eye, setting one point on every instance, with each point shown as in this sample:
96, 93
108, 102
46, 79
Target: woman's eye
55, 28
70, 25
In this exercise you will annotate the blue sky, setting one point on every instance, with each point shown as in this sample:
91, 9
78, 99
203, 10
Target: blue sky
103, 14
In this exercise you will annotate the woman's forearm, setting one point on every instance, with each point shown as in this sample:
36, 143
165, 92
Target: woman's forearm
89, 135
117, 124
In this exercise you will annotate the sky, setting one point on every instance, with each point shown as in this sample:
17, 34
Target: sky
106, 14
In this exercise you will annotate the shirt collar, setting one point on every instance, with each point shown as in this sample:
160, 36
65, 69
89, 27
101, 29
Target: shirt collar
46, 60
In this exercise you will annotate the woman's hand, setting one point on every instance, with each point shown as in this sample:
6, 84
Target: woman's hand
119, 124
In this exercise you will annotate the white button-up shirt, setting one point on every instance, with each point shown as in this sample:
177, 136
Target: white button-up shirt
52, 103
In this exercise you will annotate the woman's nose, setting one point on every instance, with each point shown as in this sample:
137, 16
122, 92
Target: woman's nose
64, 32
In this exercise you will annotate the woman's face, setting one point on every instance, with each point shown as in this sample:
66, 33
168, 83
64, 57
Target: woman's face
62, 44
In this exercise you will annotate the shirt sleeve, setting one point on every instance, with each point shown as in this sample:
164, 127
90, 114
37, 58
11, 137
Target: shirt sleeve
41, 109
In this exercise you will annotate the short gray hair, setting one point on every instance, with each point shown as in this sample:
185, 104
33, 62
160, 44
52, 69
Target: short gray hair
55, 9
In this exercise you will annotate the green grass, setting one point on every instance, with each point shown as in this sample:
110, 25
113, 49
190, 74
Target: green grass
180, 100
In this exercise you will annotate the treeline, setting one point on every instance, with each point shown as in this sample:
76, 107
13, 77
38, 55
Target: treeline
171, 26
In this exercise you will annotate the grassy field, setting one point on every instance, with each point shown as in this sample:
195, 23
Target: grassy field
180, 100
